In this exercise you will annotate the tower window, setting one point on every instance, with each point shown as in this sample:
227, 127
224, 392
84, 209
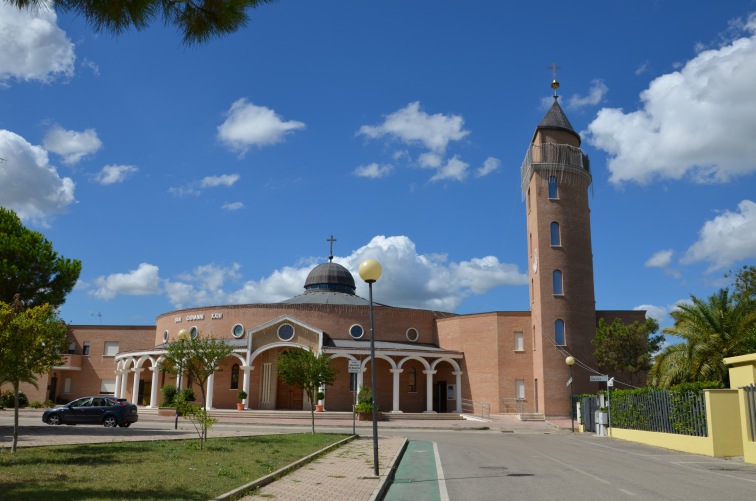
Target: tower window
553, 188
558, 289
519, 341
555, 240
559, 332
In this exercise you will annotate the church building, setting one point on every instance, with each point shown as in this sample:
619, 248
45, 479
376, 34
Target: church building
426, 361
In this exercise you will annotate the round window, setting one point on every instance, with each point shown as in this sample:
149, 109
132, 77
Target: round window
165, 336
356, 331
412, 334
286, 332
237, 331
194, 332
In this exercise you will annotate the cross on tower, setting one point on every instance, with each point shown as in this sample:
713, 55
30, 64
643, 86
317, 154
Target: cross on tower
331, 240
554, 83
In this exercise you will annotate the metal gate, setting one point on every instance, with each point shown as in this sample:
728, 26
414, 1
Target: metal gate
588, 407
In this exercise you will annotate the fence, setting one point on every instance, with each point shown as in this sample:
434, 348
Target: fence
661, 411
750, 392
480, 409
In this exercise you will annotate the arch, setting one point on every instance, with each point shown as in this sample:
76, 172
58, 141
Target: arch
383, 357
451, 361
417, 359
272, 346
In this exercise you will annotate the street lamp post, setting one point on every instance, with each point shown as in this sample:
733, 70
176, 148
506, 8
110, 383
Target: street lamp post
570, 361
182, 336
370, 271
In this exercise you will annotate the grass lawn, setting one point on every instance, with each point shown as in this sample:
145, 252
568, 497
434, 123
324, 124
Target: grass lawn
168, 469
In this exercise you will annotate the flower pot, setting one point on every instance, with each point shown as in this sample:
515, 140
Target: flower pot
318, 408
239, 406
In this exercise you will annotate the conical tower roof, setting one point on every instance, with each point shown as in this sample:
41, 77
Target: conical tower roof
555, 119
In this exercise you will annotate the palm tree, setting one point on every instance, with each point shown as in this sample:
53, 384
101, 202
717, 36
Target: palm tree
712, 330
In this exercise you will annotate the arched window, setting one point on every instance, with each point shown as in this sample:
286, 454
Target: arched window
555, 240
553, 188
235, 377
558, 290
412, 380
559, 332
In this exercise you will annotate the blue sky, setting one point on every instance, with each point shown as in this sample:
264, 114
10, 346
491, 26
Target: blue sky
214, 174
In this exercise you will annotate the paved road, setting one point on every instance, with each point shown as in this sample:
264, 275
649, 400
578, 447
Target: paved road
489, 465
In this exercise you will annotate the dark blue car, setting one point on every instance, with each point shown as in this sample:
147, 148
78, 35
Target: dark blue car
107, 411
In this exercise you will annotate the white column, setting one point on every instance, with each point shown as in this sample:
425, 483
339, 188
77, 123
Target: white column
245, 384
360, 378
209, 396
124, 380
429, 390
117, 390
135, 387
154, 388
458, 375
395, 403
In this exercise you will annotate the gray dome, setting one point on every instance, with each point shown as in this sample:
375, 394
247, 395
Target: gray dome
330, 277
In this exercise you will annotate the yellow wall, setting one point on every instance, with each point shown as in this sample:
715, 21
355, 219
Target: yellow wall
684, 443
742, 370
723, 421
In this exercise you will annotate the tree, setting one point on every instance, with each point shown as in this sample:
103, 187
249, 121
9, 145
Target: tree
198, 20
198, 358
30, 267
31, 340
307, 370
626, 348
712, 330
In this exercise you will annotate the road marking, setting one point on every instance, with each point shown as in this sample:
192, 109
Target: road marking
440, 474
567, 465
627, 492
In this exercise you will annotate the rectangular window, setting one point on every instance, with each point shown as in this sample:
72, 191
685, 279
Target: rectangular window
67, 385
519, 341
111, 349
72, 348
553, 188
86, 348
520, 389
555, 239
107, 386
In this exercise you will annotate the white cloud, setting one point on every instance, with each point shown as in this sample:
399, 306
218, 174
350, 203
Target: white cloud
661, 259
373, 170
696, 122
596, 95
726, 239
223, 180
248, 125
454, 169
430, 160
28, 183
70, 144
33, 46
490, 165
195, 187
112, 174
409, 279
410, 125
142, 281
233, 206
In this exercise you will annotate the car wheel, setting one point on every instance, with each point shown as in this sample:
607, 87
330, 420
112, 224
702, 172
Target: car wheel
125, 425
110, 422
54, 419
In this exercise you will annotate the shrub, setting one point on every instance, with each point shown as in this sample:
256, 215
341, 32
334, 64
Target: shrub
241, 394
169, 394
36, 404
187, 395
7, 399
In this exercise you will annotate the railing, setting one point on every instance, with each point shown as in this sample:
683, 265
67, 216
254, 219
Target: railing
561, 160
512, 406
750, 392
70, 362
661, 411
480, 409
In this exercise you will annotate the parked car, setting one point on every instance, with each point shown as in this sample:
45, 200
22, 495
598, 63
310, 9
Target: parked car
107, 411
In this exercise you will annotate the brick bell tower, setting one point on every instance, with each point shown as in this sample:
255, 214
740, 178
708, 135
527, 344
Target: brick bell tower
555, 180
